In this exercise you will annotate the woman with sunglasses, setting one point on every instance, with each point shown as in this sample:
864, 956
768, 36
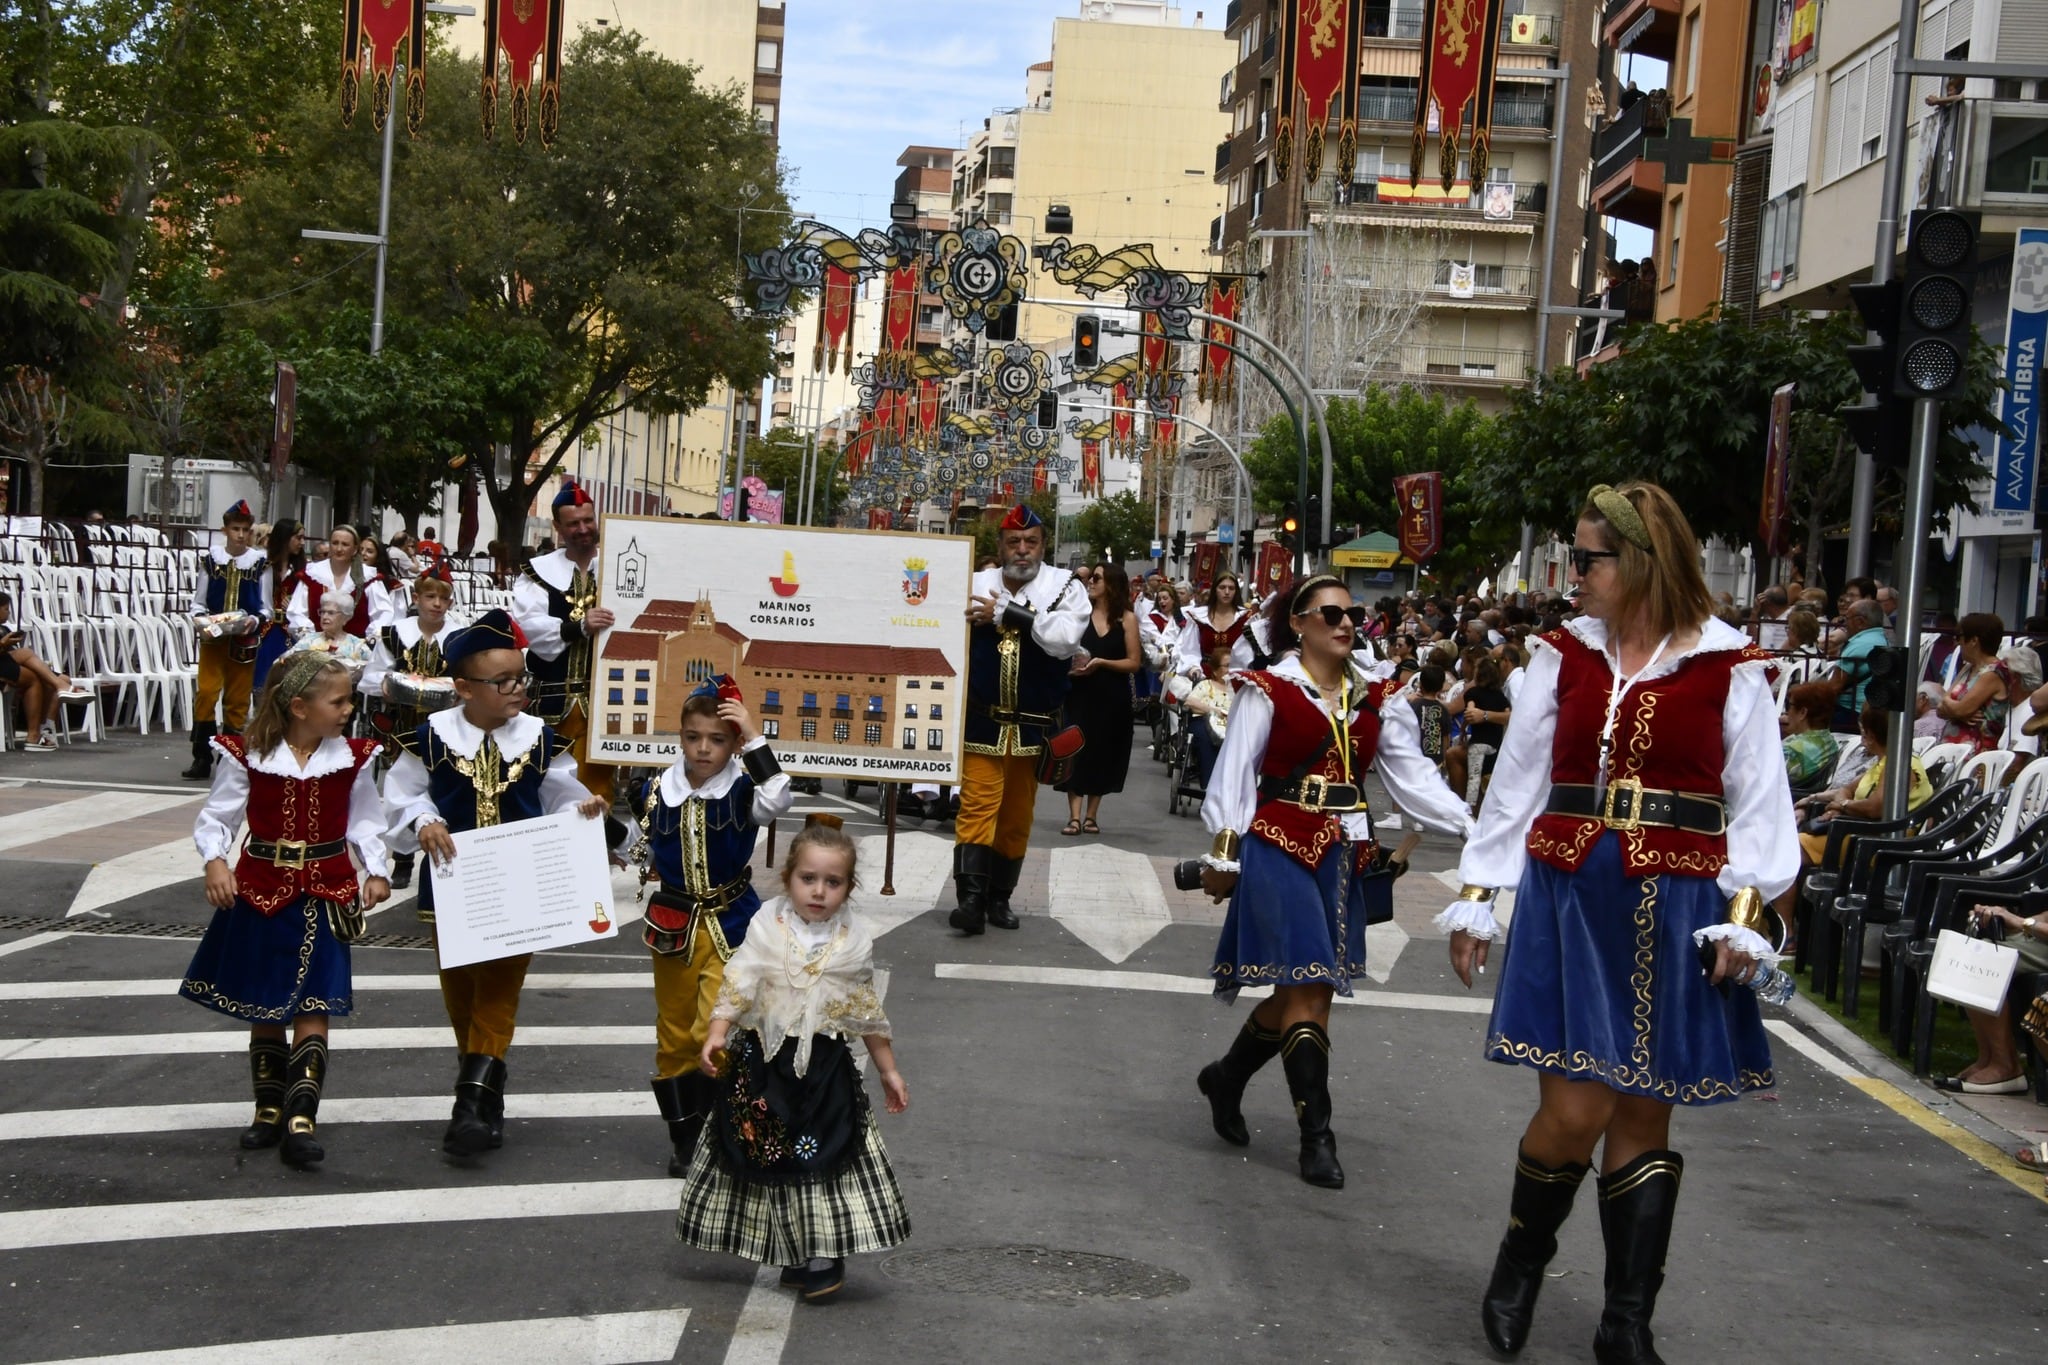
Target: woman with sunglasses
1639, 807
1219, 618
1293, 842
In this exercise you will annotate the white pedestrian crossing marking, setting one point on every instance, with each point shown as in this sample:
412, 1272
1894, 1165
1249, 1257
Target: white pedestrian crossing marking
137, 874
98, 1224
71, 817
36, 1125
1107, 897
1099, 979
356, 1039
598, 1339
763, 1327
419, 981
923, 870
22, 945
1383, 945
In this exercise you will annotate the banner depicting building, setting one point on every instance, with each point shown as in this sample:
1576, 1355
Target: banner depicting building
850, 647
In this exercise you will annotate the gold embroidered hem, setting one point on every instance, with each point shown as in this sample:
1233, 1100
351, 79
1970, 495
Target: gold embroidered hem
1633, 1080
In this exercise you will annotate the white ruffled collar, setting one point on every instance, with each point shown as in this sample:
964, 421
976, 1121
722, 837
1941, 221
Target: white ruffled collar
248, 559
332, 756
676, 788
1716, 637
1200, 613
1289, 667
513, 738
556, 569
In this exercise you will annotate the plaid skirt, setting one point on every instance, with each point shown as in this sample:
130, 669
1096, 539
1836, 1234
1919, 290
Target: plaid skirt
856, 1209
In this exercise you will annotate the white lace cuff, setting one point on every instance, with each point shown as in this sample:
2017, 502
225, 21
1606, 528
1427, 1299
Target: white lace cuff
1474, 917
1741, 940
1220, 864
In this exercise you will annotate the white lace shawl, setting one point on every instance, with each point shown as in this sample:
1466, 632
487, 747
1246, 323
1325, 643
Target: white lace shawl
781, 987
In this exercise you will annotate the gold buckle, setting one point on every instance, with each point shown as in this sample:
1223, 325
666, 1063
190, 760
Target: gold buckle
289, 853
1315, 791
1635, 806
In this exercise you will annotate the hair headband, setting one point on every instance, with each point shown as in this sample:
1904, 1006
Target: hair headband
1309, 585
296, 672
1622, 515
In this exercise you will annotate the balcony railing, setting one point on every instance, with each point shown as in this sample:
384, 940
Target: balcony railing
1540, 30
1393, 21
1428, 364
1496, 282
1521, 111
1620, 139
1387, 106
1529, 199
1269, 48
1223, 156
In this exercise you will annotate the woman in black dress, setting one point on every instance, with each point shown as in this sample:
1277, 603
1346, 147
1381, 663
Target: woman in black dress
1099, 699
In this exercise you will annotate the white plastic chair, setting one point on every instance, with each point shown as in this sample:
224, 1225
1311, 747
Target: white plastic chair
1944, 756
179, 684
2026, 800
1922, 743
125, 667
1987, 769
1850, 762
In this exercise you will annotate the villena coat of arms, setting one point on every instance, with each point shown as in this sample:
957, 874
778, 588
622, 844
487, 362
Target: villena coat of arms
917, 581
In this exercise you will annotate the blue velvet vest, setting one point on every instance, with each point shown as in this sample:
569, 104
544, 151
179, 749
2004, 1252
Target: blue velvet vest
246, 583
1014, 691
699, 847
562, 684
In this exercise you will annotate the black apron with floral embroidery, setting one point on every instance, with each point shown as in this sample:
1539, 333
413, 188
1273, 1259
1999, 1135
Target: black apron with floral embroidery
773, 1126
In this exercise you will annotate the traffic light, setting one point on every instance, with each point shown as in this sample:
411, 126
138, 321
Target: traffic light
1934, 305
1003, 326
1048, 411
1290, 524
1890, 682
1180, 545
1879, 423
740, 501
1087, 342
1312, 523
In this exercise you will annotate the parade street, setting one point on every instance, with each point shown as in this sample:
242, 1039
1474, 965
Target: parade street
1068, 1198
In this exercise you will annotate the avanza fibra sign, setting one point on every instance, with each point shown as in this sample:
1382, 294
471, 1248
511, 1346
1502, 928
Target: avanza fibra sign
2026, 335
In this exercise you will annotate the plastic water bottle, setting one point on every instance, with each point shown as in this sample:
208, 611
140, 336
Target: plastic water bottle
1772, 985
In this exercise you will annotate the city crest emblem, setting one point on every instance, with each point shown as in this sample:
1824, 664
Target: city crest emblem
917, 581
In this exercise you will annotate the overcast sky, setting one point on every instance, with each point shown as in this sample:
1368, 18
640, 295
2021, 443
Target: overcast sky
863, 79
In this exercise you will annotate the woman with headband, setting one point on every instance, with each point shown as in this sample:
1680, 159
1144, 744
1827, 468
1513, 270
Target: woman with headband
1293, 842
1639, 806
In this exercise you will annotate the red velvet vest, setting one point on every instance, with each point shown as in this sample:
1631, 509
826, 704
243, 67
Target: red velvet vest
307, 810
1212, 637
1668, 736
1299, 726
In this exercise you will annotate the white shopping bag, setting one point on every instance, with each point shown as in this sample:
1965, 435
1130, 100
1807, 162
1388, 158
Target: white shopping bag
1970, 971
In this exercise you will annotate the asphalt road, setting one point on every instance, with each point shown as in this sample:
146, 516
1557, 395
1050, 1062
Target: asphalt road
1067, 1197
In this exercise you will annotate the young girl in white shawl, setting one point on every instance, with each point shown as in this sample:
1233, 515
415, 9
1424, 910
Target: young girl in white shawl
791, 1170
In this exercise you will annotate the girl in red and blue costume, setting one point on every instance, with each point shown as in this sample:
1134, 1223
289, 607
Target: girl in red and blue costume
271, 955
1293, 843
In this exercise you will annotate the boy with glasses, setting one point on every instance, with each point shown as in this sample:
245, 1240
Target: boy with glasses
481, 764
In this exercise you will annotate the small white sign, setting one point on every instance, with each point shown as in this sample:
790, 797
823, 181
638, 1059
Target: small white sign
522, 888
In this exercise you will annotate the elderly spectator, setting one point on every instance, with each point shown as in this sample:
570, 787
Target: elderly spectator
1772, 606
1866, 635
1888, 601
1927, 721
1975, 700
1804, 658
1862, 798
333, 636
1513, 657
1810, 747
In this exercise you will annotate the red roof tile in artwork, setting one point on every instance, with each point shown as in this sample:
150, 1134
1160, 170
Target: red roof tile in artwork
633, 644
805, 656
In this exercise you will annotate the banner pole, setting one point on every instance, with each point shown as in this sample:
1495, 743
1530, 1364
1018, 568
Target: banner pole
889, 848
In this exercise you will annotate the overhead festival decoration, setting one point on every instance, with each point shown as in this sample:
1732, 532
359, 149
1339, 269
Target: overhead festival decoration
1319, 79
1458, 54
835, 321
522, 33
387, 32
1217, 378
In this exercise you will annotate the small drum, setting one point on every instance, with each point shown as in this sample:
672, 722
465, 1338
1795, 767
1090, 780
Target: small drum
424, 693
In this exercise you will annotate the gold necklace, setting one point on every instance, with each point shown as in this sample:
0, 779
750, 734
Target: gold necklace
303, 754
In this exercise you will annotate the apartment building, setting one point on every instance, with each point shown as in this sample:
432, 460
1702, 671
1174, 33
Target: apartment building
1409, 283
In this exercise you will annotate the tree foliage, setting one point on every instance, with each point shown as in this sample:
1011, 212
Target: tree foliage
1688, 406
1119, 527
1384, 433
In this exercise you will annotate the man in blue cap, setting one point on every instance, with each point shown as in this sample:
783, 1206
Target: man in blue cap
231, 602
481, 764
1027, 619
555, 603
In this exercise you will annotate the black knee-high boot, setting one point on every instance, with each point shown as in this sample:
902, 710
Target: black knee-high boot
479, 1080
202, 752
1305, 1055
973, 869
1224, 1080
683, 1102
267, 1060
305, 1073
1002, 881
1637, 1204
1541, 1202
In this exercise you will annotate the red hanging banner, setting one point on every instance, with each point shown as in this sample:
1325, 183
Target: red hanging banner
385, 32
1038, 477
1202, 570
1166, 426
1276, 566
1123, 423
1217, 376
878, 518
1091, 467
899, 324
1155, 352
1319, 78
835, 321
1772, 523
1458, 56
1420, 497
927, 406
523, 32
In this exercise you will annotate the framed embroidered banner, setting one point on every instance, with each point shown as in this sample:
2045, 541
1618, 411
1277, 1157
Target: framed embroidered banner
1318, 81
1460, 45
1421, 500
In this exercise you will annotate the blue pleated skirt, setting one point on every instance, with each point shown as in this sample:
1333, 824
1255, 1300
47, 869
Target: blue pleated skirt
1288, 926
270, 647
1600, 981
269, 968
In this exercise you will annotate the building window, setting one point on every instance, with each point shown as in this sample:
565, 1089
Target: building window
1675, 237
613, 722
810, 705
639, 722
642, 675
911, 682
1002, 163
840, 732
1859, 96
785, 384
618, 675
1692, 53
874, 706
771, 697
842, 702
910, 736
639, 696
764, 118
910, 710
767, 55
938, 711
1777, 254
616, 696
809, 730
935, 739
874, 734
771, 729
936, 687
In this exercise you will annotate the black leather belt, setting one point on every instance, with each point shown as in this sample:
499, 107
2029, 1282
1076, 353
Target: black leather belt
293, 852
1627, 804
1316, 794
1006, 717
717, 899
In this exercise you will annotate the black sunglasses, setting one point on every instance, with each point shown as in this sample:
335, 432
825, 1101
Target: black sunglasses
1335, 616
1582, 559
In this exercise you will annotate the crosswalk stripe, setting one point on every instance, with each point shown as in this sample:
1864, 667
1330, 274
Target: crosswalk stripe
98, 1224
22, 945
41, 1124
1107, 897
596, 1339
354, 1039
114, 990
1186, 985
71, 817
136, 874
763, 1327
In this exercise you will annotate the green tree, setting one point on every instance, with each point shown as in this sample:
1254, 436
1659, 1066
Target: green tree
1688, 406
1384, 433
601, 273
1119, 527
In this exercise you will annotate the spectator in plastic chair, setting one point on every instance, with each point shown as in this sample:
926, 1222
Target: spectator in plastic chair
1997, 1069
40, 685
1927, 721
1811, 749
